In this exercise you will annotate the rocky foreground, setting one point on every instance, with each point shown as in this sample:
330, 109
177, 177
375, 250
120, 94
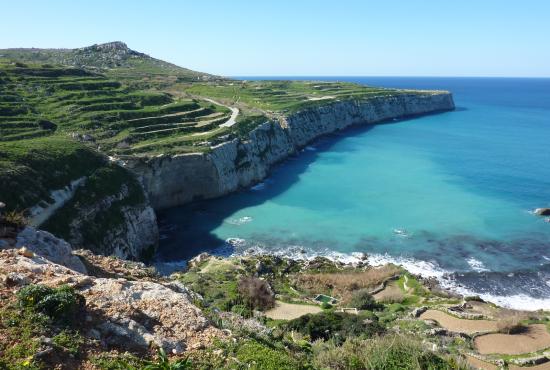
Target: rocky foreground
68, 309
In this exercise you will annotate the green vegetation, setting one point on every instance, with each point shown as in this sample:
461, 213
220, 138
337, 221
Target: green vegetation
60, 304
114, 58
336, 326
287, 96
108, 181
393, 352
39, 312
363, 300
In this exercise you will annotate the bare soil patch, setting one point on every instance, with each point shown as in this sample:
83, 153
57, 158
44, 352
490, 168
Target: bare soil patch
289, 311
534, 339
454, 324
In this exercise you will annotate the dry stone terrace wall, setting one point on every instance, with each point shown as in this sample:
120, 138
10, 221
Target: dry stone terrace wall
180, 179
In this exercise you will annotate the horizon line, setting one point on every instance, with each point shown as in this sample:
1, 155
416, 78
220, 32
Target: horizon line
385, 76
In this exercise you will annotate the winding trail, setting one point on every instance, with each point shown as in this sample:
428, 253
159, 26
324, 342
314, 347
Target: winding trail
234, 113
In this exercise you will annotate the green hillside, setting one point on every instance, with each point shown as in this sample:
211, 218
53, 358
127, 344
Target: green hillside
113, 58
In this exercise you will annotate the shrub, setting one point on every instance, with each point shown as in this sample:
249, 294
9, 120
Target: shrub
363, 300
393, 297
61, 303
381, 353
259, 356
242, 310
69, 341
337, 325
256, 293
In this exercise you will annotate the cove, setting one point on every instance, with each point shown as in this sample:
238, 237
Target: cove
451, 193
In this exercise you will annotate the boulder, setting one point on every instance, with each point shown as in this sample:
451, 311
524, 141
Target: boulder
542, 211
48, 246
122, 314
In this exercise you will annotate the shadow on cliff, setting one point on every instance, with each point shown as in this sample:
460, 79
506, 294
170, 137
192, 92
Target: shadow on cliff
188, 230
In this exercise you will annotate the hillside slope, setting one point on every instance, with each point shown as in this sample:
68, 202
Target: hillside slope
114, 58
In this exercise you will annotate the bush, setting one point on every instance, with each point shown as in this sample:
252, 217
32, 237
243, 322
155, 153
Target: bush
337, 325
69, 341
256, 293
384, 353
259, 356
363, 300
61, 303
394, 297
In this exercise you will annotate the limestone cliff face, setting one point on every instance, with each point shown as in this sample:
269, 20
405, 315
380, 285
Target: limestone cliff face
113, 227
107, 213
176, 180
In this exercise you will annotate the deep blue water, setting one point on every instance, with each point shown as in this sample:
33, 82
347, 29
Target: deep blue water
448, 195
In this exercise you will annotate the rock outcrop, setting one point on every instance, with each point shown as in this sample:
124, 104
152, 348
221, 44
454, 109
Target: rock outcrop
123, 314
542, 211
41, 243
172, 180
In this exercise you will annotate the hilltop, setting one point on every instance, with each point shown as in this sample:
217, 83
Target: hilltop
114, 58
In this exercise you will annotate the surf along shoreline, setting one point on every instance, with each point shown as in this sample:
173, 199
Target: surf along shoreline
208, 242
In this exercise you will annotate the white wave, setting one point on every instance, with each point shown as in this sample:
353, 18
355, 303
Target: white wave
401, 232
236, 242
476, 265
414, 266
240, 220
310, 148
516, 301
258, 186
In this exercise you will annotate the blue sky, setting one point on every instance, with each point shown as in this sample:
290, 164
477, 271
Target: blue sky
302, 37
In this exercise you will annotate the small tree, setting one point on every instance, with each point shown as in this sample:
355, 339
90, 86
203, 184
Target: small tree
363, 300
256, 293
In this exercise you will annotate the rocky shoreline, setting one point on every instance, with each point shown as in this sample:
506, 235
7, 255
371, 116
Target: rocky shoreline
130, 310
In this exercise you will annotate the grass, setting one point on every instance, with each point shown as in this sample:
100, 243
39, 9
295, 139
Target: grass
288, 96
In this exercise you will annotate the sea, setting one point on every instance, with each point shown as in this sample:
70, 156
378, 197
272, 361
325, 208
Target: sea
448, 195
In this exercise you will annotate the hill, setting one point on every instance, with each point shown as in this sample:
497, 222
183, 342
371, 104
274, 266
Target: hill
114, 58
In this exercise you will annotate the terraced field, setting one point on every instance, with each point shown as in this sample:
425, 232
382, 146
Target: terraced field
286, 96
38, 101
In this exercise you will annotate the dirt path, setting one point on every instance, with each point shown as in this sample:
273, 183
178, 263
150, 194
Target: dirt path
289, 311
535, 339
452, 323
234, 113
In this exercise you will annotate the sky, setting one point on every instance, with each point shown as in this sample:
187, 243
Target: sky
301, 37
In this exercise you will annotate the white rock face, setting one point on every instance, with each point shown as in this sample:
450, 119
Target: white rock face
131, 315
176, 180
44, 244
41, 212
136, 234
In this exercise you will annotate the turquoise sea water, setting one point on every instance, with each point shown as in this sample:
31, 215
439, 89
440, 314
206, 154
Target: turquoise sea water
448, 195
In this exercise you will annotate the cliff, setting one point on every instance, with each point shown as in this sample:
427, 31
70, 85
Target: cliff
172, 180
107, 213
